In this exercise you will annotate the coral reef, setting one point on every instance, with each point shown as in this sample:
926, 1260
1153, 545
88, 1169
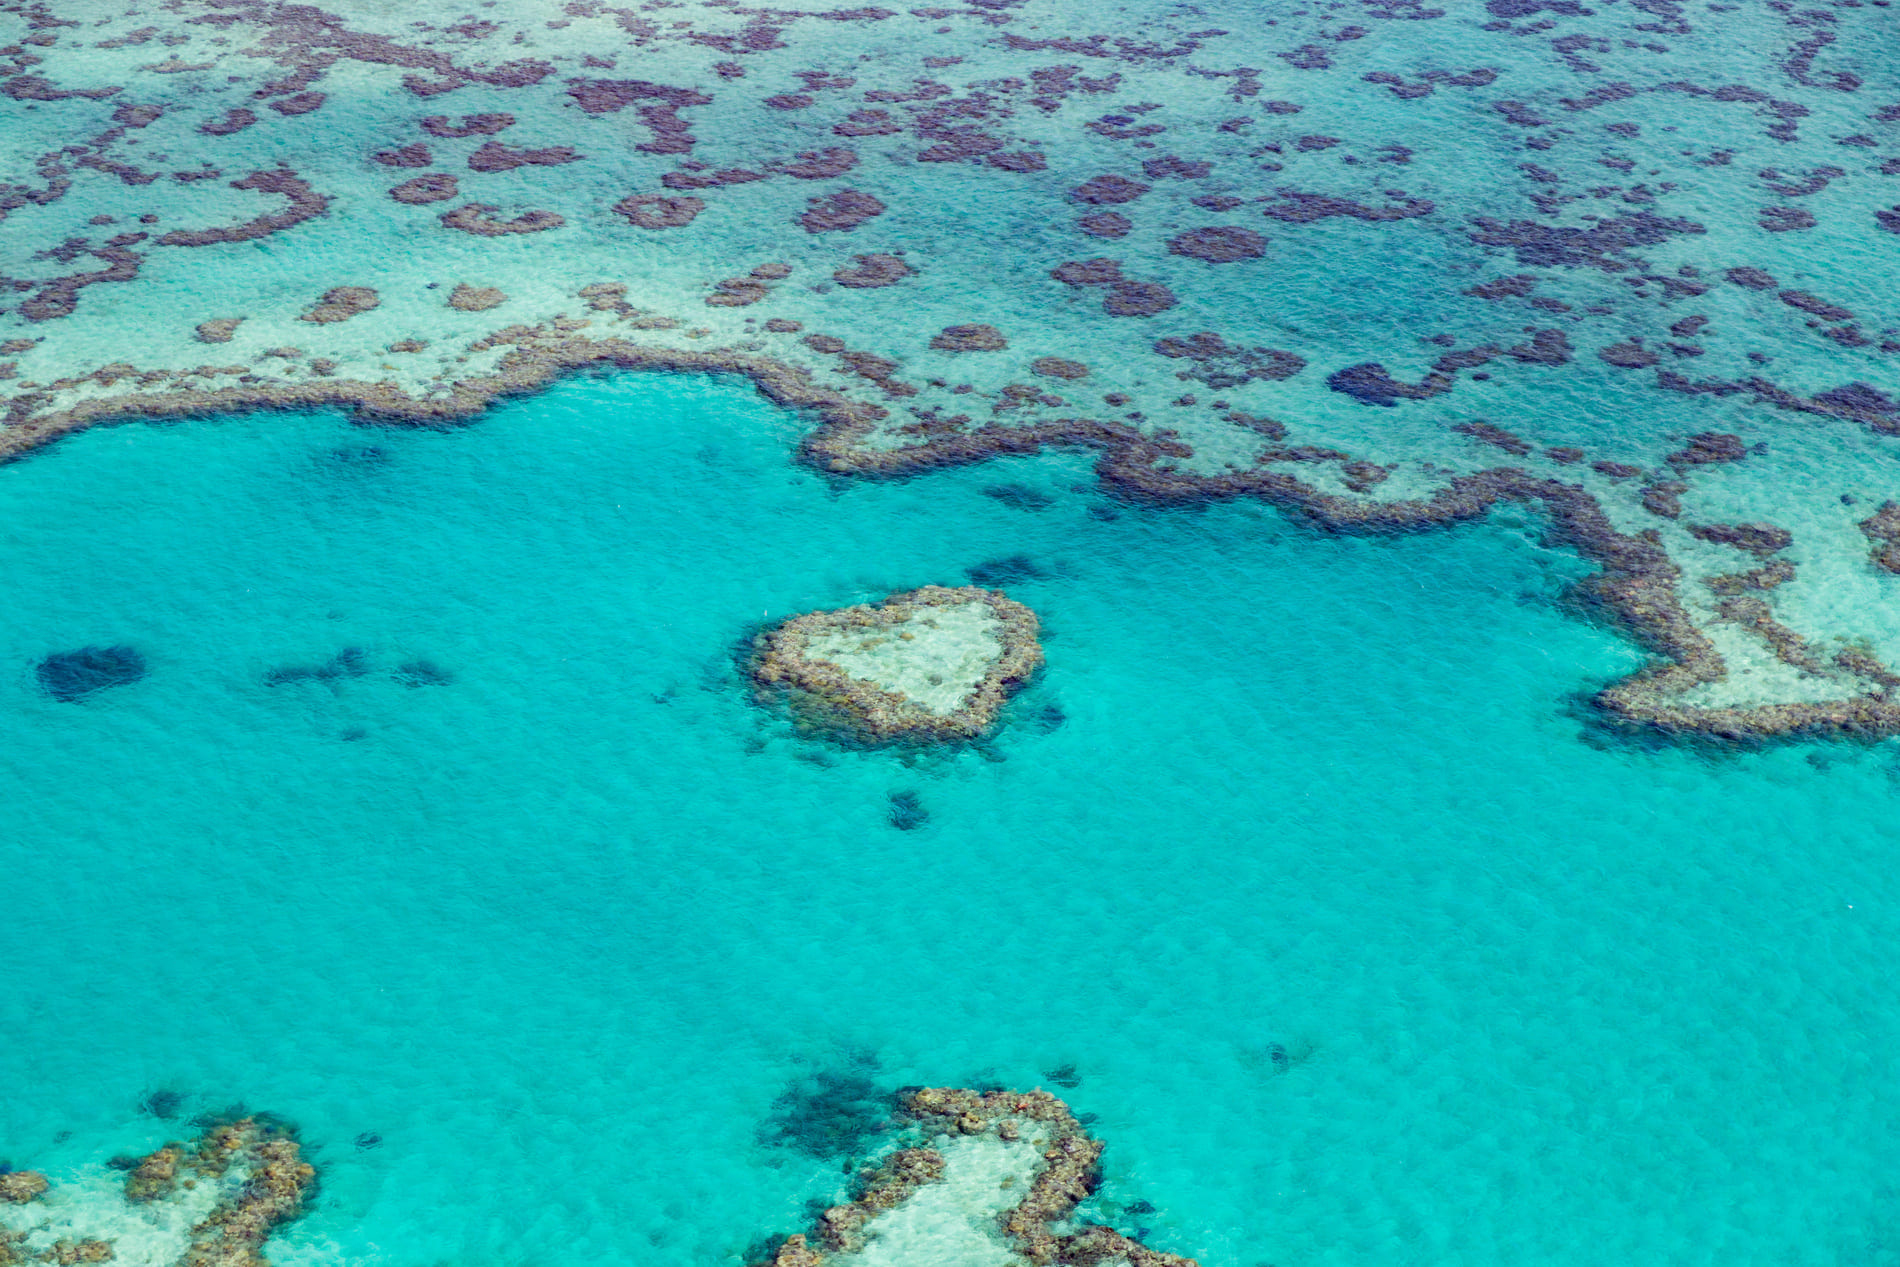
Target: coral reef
1577, 263
342, 303
251, 1167
810, 657
17, 1187
1041, 1228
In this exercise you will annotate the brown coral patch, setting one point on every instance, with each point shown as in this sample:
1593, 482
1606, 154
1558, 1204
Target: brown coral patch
1057, 367
471, 125
872, 271
1629, 356
1706, 447
493, 156
1095, 272
299, 103
155, 1176
1138, 299
467, 298
413, 155
1105, 224
1751, 278
658, 108
435, 187
1018, 161
1786, 219
341, 303
1220, 245
217, 330
824, 164
660, 211
1665, 499
1495, 436
474, 219
20, 1186
1108, 190
235, 120
305, 204
738, 292
841, 211
1815, 305
1883, 529
1759, 539
1221, 365
970, 338
1303, 208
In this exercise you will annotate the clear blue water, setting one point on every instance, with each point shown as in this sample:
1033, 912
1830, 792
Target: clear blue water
561, 929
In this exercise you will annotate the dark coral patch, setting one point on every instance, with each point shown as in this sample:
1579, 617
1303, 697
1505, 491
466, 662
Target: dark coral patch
1221, 245
70, 676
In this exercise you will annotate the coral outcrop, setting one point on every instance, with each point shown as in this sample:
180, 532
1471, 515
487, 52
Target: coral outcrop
250, 1167
928, 665
1040, 1228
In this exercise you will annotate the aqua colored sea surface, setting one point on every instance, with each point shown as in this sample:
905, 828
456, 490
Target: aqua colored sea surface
1366, 949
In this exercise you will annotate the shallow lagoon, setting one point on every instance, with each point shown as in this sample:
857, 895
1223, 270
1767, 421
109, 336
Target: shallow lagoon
1363, 953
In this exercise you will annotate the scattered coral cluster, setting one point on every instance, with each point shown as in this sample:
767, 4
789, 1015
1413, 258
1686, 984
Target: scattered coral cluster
1041, 1228
810, 657
252, 1166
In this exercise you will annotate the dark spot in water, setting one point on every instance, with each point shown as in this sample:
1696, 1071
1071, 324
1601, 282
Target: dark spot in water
1020, 496
421, 673
1048, 718
347, 663
907, 812
123, 1162
359, 456
1276, 1055
1088, 1119
368, 1140
1063, 1076
163, 1105
223, 1117
829, 1113
70, 676
999, 573
1140, 1207
355, 734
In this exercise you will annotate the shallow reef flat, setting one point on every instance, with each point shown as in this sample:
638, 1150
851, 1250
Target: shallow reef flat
987, 1179
1388, 265
211, 1203
928, 665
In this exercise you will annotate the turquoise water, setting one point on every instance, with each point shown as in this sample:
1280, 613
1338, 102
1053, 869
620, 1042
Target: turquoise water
562, 928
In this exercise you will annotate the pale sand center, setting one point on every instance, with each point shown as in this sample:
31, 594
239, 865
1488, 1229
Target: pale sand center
935, 658
953, 1222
